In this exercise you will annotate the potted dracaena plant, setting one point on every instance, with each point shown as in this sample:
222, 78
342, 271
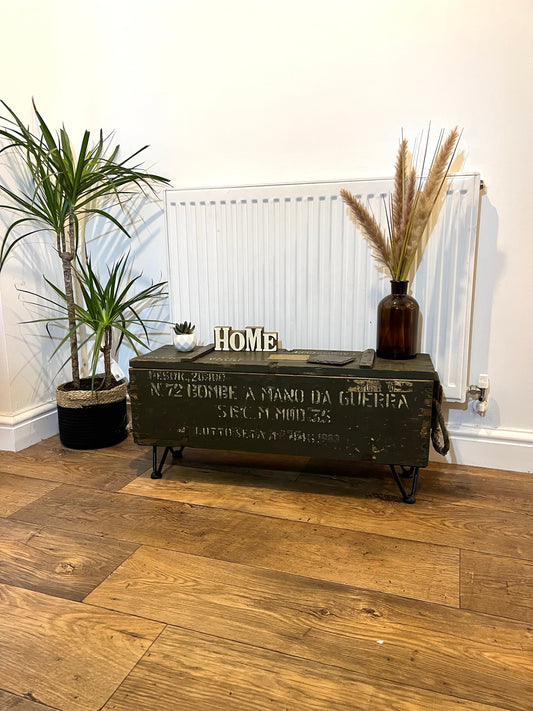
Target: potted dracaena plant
415, 199
66, 187
106, 309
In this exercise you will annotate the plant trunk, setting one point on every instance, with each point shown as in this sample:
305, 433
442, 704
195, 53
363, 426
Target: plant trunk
106, 350
67, 252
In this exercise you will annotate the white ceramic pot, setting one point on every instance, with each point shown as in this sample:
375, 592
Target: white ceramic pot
184, 341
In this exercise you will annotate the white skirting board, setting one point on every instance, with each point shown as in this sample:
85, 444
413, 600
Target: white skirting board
494, 448
25, 428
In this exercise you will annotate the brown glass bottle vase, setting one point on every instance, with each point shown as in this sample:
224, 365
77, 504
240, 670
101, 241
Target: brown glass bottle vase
397, 331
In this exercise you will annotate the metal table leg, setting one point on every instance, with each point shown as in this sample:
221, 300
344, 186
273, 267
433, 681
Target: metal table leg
157, 469
406, 472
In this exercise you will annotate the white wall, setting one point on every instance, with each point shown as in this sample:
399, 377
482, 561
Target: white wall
253, 91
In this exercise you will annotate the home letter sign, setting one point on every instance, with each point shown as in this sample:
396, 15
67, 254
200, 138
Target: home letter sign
252, 338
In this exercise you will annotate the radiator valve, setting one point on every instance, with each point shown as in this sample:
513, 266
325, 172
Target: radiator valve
480, 394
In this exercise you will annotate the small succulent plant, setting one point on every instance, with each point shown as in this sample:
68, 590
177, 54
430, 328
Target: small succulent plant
185, 327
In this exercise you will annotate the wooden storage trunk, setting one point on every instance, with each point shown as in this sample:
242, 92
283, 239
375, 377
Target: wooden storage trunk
285, 403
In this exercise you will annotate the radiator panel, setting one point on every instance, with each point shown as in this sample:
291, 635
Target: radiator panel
288, 258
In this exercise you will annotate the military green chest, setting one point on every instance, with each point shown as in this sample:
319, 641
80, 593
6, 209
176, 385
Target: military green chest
300, 402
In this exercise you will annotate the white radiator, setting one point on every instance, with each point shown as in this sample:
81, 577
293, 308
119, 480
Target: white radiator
288, 258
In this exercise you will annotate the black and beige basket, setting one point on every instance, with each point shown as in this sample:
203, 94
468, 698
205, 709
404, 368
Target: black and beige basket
90, 419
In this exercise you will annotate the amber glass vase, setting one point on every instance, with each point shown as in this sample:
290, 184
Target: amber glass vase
397, 333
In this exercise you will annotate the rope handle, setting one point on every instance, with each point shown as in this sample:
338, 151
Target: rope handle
439, 432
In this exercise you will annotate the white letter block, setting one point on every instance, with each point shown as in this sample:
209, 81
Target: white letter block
270, 341
254, 338
237, 341
222, 338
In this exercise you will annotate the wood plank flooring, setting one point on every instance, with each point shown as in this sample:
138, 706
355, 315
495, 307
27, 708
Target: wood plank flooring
61, 563
249, 582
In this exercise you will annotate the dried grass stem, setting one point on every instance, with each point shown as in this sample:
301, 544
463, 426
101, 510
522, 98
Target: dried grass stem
412, 204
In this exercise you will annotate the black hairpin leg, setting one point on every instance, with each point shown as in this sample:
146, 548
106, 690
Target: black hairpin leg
406, 472
157, 469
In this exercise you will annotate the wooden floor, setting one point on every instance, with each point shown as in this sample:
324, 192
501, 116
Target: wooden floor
252, 582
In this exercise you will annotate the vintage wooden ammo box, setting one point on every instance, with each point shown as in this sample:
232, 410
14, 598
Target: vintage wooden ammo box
313, 403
